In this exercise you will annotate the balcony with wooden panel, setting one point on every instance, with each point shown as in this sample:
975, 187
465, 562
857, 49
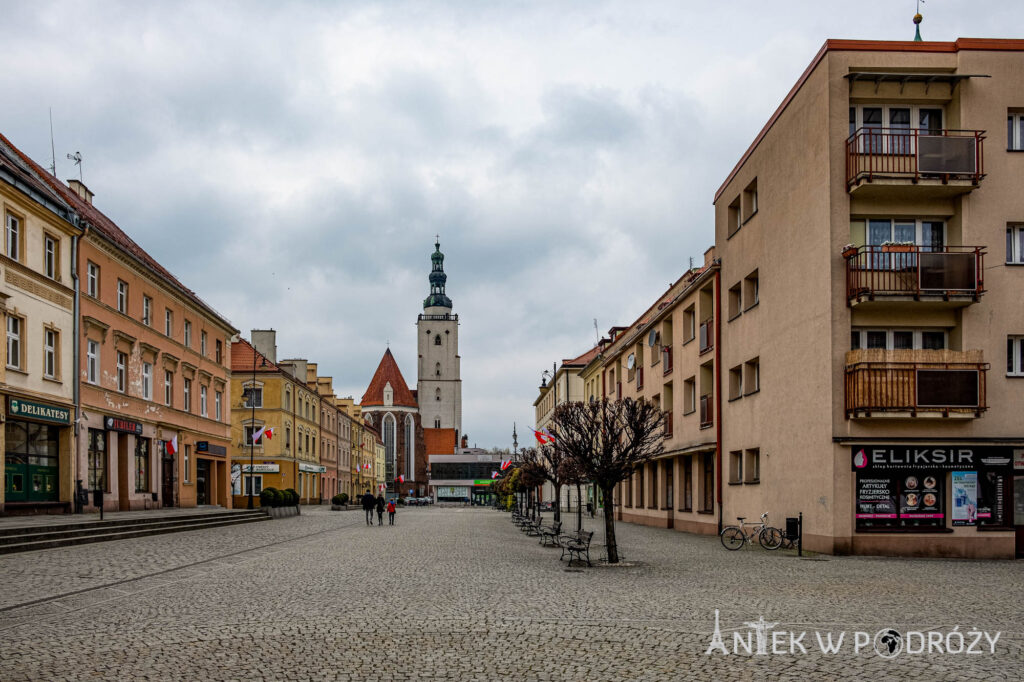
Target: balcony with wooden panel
951, 276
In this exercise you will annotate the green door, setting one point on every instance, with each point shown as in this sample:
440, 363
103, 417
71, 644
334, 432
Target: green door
31, 462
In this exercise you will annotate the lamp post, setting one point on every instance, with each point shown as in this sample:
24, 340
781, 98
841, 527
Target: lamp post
251, 396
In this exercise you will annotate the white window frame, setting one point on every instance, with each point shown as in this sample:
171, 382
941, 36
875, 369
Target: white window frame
918, 228
15, 325
92, 279
218, 405
202, 400
886, 107
248, 479
202, 342
1015, 131
168, 322
168, 387
12, 237
256, 391
92, 361
147, 381
50, 341
889, 336
122, 372
1015, 244
186, 452
1015, 356
50, 256
188, 334
187, 393
147, 311
122, 296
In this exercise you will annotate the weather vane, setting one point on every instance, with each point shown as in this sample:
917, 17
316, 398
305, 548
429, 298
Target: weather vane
917, 22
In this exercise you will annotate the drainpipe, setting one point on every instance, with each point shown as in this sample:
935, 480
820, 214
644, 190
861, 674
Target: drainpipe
76, 362
718, 393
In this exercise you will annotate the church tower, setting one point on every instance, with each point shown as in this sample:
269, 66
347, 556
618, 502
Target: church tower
439, 383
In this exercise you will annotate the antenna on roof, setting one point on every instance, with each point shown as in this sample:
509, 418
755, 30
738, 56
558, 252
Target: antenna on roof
77, 158
53, 152
917, 23
597, 334
691, 262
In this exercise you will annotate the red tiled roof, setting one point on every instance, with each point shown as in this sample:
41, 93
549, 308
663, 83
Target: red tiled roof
583, 360
244, 357
99, 222
388, 372
439, 441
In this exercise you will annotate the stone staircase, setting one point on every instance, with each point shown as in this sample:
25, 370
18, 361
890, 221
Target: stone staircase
39, 536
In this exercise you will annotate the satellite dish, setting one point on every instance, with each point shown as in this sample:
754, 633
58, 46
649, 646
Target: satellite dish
631, 361
652, 338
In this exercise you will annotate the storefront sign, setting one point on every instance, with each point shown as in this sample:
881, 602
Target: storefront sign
312, 468
261, 468
26, 409
451, 491
486, 481
123, 425
965, 498
210, 448
906, 499
876, 457
876, 499
1018, 459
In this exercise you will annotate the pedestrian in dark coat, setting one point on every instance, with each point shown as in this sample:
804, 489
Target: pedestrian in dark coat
380, 510
368, 504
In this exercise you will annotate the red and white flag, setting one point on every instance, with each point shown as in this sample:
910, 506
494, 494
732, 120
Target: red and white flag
494, 474
401, 478
505, 464
264, 431
172, 446
543, 436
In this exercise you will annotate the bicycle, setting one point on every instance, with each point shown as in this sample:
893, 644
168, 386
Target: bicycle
734, 537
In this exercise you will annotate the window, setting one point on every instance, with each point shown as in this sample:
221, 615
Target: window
307, 442
252, 396
97, 459
147, 381
437, 340
927, 234
122, 371
1015, 244
13, 240
689, 324
168, 322
750, 200
690, 395
92, 280
898, 339
750, 290
752, 376
898, 121
250, 430
141, 464
752, 466
14, 327
51, 263
168, 387
217, 405
202, 343
202, 401
736, 466
187, 395
902, 499
1015, 355
253, 484
188, 334
1015, 131
736, 382
186, 454
218, 350
708, 501
92, 362
735, 301
437, 394
50, 345
122, 297
287, 437
147, 311
687, 499
437, 369
735, 217
437, 423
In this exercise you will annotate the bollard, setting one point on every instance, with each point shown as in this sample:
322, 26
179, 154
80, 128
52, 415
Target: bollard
800, 535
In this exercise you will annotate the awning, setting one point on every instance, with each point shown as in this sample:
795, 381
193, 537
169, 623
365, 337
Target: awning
876, 77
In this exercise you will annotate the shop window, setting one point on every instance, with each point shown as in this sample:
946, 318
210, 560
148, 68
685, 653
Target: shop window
97, 459
186, 454
708, 466
736, 466
910, 499
236, 479
253, 484
752, 466
687, 498
141, 464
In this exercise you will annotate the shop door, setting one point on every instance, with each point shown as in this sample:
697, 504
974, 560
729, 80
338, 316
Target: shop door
1018, 511
202, 481
167, 481
30, 465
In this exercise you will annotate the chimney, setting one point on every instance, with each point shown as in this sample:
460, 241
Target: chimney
81, 190
265, 341
709, 256
465, 442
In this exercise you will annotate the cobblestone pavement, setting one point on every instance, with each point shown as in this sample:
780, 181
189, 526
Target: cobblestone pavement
460, 594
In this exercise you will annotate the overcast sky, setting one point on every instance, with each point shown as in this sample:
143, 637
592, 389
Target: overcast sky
291, 162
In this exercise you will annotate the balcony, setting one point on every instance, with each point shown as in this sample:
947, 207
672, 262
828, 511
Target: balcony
707, 416
950, 275
707, 335
666, 360
883, 161
915, 384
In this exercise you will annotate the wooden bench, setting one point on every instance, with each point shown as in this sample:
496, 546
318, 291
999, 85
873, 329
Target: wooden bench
551, 533
577, 545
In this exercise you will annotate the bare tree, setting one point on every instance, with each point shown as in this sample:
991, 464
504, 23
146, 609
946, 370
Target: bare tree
607, 441
550, 463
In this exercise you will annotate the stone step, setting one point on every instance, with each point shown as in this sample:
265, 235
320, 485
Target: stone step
105, 534
20, 531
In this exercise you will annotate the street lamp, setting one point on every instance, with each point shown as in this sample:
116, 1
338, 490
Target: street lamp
250, 395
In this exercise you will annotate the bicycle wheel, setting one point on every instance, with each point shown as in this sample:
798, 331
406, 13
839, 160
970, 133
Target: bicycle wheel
732, 538
770, 538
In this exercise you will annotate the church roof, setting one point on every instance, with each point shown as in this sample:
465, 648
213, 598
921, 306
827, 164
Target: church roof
388, 372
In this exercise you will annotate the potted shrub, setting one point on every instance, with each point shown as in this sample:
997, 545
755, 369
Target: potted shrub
898, 247
344, 498
268, 497
293, 498
338, 502
279, 498
849, 251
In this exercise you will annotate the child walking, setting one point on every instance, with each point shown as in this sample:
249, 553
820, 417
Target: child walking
391, 512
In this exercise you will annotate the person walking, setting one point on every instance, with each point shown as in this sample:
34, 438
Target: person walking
368, 505
380, 510
391, 512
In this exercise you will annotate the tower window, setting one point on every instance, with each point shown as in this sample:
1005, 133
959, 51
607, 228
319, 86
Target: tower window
437, 340
437, 369
437, 394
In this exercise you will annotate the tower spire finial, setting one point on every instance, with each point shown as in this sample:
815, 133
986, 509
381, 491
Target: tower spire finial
917, 23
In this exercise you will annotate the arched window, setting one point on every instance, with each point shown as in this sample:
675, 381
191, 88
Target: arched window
410, 448
437, 340
388, 425
437, 369
437, 422
437, 394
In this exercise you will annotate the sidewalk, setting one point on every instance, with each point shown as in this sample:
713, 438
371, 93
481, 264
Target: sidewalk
38, 520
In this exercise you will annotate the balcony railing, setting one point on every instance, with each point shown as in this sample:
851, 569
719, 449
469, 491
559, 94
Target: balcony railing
668, 425
918, 271
707, 417
914, 154
915, 382
707, 335
666, 360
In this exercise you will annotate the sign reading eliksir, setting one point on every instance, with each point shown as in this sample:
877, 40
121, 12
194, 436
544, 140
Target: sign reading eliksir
932, 487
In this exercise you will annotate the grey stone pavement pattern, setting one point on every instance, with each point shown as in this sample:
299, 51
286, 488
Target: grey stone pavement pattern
461, 594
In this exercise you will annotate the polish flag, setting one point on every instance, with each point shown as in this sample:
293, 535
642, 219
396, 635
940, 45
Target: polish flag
551, 437
505, 464
543, 436
267, 431
172, 446
401, 478
494, 474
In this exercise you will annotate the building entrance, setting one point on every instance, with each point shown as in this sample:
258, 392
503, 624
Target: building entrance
167, 480
31, 462
203, 481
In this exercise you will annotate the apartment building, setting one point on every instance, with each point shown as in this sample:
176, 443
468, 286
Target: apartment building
872, 243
